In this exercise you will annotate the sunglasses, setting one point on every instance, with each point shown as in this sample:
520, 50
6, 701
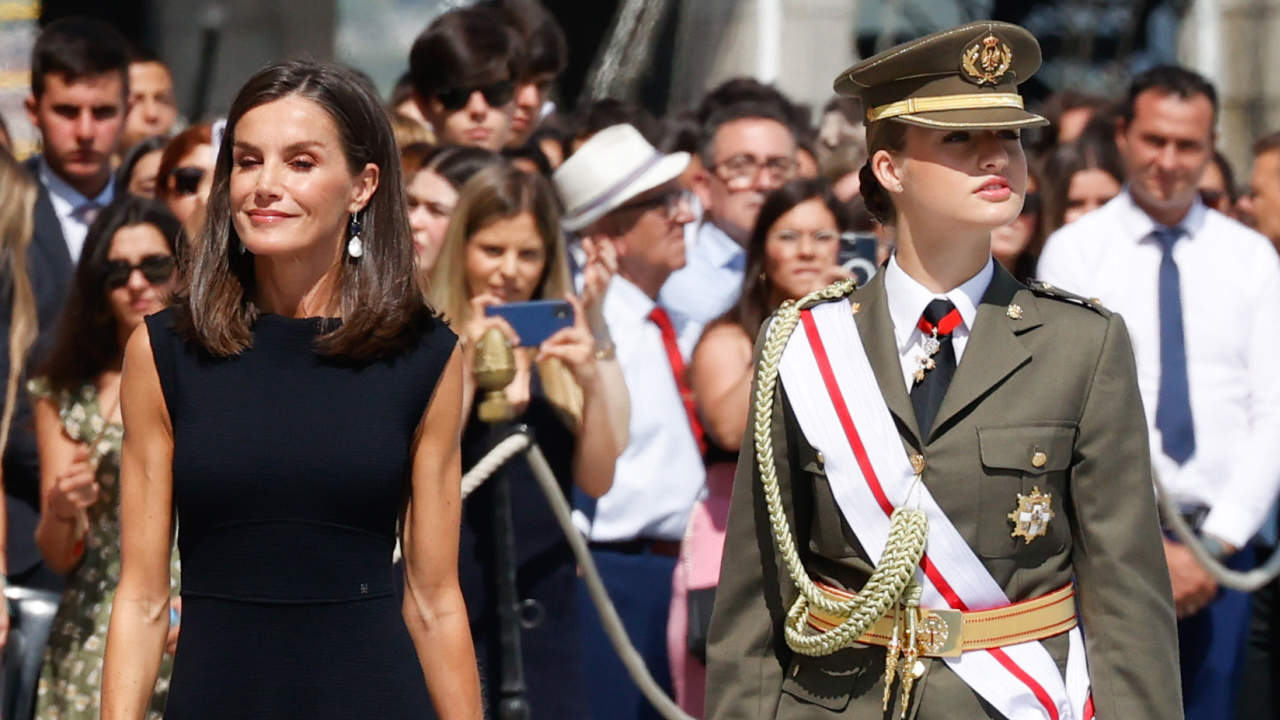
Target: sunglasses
186, 180
497, 95
156, 269
671, 202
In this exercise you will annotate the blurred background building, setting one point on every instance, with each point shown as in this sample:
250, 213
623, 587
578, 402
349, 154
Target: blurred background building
666, 53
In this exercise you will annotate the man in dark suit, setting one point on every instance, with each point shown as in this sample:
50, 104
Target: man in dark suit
78, 100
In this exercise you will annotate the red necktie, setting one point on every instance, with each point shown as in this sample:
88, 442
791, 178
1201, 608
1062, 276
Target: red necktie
660, 318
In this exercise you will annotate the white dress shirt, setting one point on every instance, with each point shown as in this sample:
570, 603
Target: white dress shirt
660, 473
67, 205
711, 280
907, 301
1230, 286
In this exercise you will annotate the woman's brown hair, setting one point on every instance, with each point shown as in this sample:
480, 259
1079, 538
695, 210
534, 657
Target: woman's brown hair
755, 303
17, 205
378, 299
497, 193
87, 341
179, 147
882, 135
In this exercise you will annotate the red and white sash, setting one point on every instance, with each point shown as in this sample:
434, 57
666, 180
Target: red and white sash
870, 475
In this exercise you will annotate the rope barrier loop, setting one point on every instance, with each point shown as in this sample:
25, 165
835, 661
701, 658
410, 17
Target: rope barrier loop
502, 453
1247, 581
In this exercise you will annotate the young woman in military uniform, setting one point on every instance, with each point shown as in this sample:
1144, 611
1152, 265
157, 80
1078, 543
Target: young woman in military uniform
948, 512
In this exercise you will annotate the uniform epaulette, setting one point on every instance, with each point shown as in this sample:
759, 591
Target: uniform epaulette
1044, 289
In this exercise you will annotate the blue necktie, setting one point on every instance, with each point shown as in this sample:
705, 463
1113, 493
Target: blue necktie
1173, 403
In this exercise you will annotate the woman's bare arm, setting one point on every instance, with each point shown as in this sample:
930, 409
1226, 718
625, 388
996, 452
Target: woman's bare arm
140, 614
721, 379
433, 609
65, 471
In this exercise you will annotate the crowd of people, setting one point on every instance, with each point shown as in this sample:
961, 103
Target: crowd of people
294, 297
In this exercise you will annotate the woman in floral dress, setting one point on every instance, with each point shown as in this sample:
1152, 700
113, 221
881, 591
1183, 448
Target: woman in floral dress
126, 271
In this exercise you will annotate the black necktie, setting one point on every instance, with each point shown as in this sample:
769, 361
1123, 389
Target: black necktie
937, 364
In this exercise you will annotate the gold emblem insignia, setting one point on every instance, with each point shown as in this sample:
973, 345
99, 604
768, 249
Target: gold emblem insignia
987, 60
932, 634
1032, 516
1014, 312
856, 307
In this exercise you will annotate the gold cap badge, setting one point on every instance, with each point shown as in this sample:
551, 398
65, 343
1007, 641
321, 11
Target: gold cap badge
1031, 517
987, 60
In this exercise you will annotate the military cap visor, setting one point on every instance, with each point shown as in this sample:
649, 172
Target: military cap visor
965, 77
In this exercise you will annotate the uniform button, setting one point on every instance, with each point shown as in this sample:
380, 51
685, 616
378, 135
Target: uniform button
821, 461
917, 463
795, 670
1038, 459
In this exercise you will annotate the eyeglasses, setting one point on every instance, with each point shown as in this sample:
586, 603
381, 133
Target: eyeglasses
789, 235
673, 202
156, 269
497, 95
740, 171
186, 180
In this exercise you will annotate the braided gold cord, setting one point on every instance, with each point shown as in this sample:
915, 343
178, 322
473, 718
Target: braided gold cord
908, 528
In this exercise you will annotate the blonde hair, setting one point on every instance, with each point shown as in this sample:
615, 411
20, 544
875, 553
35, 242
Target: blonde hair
17, 207
408, 131
497, 193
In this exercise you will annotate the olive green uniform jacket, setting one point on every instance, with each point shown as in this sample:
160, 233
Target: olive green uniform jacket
1057, 377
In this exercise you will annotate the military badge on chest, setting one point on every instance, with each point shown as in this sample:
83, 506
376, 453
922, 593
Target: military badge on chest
1031, 517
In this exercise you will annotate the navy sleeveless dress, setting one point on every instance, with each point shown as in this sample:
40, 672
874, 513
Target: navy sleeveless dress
546, 571
289, 472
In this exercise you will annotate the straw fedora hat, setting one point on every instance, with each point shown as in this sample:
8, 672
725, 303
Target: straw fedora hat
612, 167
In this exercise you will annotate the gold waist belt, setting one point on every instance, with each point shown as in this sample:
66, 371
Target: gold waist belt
947, 633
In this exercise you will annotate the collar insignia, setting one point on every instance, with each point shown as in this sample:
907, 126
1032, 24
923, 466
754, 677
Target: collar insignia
987, 60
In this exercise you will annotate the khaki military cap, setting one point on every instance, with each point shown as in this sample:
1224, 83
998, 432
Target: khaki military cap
965, 77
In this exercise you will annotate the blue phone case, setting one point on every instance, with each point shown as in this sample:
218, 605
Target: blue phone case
536, 320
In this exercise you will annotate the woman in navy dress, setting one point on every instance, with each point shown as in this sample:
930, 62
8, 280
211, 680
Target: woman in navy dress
297, 403
504, 246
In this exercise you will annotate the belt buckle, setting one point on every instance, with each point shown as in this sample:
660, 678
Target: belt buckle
939, 632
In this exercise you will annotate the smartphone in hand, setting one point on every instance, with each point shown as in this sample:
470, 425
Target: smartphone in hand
536, 320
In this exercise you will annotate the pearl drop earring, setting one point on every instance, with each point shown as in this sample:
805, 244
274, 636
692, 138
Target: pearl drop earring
355, 247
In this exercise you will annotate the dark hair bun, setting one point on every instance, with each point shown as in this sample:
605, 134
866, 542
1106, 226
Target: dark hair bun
879, 204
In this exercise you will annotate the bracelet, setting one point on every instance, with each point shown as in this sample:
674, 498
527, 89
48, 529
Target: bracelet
605, 351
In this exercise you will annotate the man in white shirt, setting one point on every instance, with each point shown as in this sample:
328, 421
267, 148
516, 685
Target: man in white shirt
748, 150
1200, 294
618, 189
